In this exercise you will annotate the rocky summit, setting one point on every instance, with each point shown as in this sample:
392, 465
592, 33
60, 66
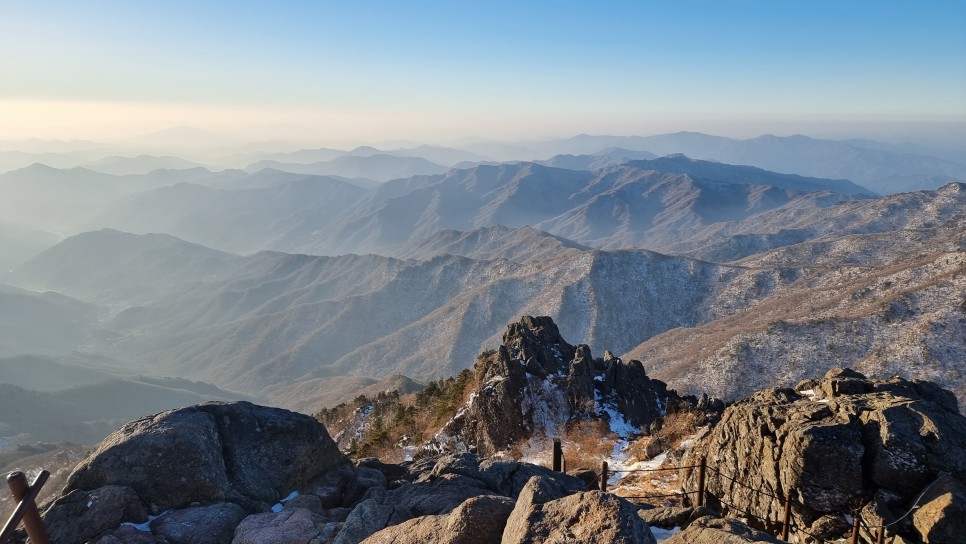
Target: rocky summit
842, 447
534, 386
891, 451
536, 382
238, 473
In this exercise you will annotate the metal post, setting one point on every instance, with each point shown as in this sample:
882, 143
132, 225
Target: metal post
702, 466
557, 455
26, 510
603, 476
855, 528
788, 514
880, 537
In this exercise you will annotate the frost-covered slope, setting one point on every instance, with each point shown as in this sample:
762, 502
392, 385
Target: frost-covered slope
818, 218
907, 319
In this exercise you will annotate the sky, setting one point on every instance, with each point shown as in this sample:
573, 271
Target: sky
442, 71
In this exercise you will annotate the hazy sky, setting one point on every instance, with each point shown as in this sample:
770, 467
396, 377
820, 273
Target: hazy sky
443, 70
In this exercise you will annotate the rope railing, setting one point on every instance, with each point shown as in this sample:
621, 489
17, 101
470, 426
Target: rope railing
660, 469
669, 495
744, 485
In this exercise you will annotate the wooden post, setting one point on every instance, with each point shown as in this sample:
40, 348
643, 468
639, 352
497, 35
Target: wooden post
788, 514
603, 476
855, 528
557, 455
702, 468
26, 510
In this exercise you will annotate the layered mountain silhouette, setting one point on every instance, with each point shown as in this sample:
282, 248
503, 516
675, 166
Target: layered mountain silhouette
303, 289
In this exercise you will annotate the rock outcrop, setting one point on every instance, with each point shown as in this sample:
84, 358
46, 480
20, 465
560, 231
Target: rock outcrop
834, 445
237, 473
224, 457
536, 382
545, 513
478, 520
711, 530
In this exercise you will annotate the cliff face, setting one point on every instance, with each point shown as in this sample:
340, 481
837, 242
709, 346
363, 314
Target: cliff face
536, 383
835, 445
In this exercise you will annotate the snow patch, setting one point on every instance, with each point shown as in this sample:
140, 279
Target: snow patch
281, 504
146, 526
663, 534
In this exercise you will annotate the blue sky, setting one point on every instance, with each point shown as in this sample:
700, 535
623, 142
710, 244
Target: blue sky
500, 69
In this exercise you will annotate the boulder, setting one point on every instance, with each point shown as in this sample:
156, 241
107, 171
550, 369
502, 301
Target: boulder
367, 518
207, 454
829, 527
509, 477
544, 513
80, 516
712, 530
942, 516
873, 438
127, 534
270, 452
478, 520
672, 516
170, 460
290, 526
211, 524
442, 486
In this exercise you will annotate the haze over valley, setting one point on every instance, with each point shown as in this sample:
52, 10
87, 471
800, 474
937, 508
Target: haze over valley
301, 204
297, 283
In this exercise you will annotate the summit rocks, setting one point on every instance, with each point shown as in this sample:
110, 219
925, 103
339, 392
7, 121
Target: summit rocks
836, 444
216, 453
536, 382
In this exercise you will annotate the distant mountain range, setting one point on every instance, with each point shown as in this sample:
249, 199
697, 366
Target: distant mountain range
379, 167
301, 288
274, 320
880, 167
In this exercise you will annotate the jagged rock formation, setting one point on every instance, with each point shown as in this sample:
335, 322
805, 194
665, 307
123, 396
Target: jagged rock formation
536, 382
534, 386
834, 445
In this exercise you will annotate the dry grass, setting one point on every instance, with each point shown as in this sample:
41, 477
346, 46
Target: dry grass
677, 427
587, 443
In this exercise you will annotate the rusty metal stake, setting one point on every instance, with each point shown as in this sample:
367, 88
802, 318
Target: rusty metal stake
788, 515
855, 528
26, 508
603, 476
702, 468
557, 455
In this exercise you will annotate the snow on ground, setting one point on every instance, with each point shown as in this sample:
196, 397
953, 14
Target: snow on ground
146, 526
281, 504
663, 534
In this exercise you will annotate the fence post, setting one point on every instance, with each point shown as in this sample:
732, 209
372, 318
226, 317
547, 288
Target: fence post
880, 537
26, 510
557, 455
603, 476
788, 514
702, 468
855, 528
